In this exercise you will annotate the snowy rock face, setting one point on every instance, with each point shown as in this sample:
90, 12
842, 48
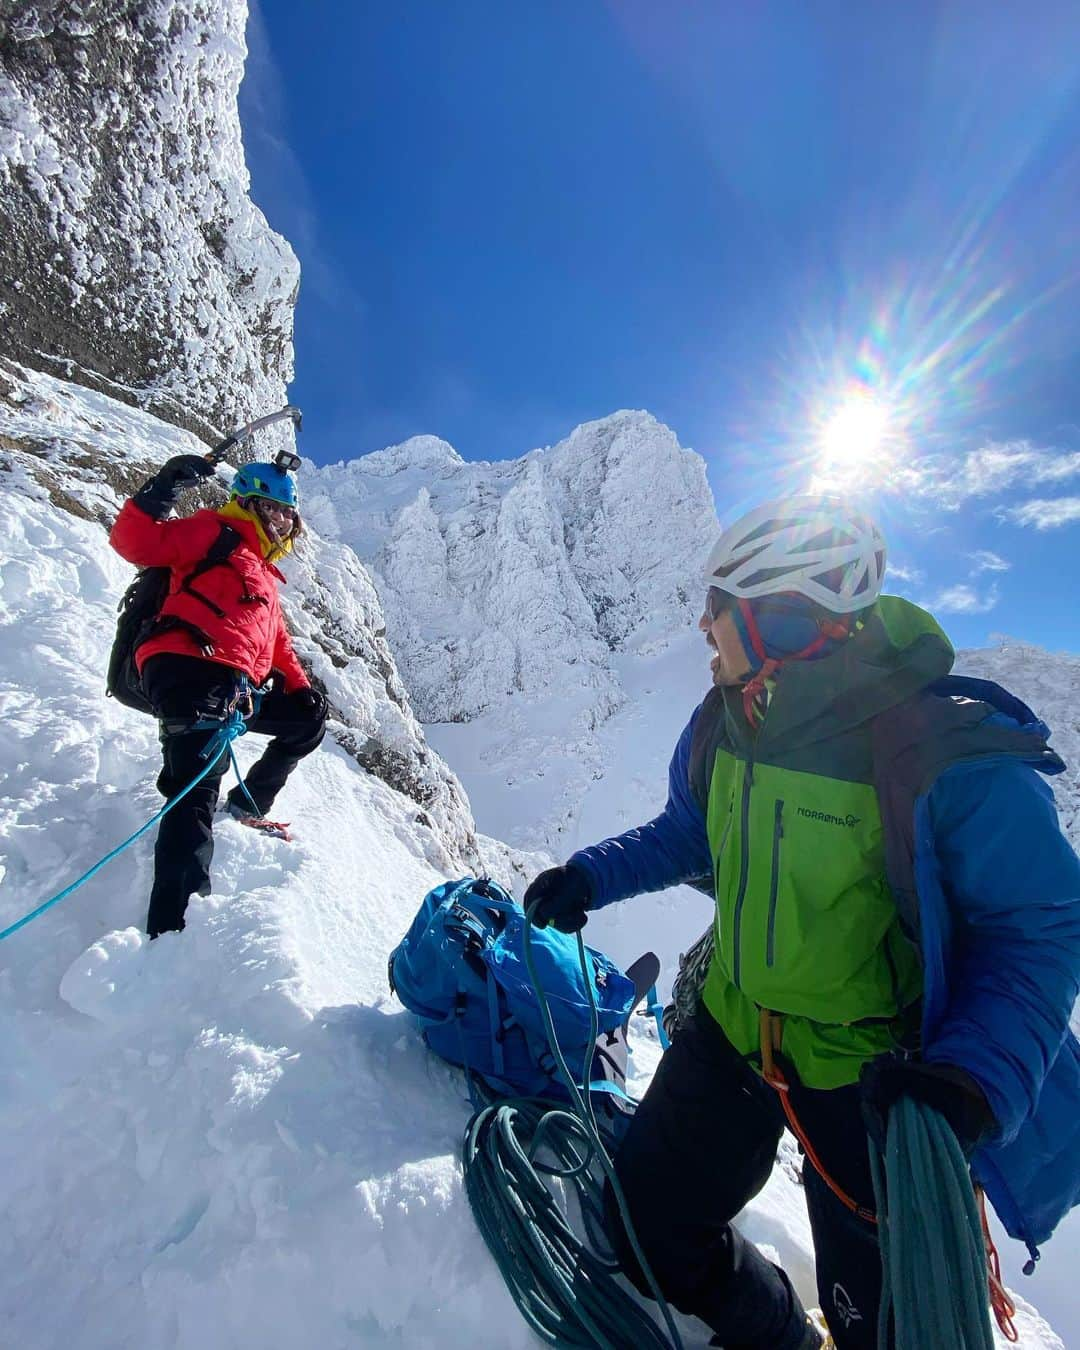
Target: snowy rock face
515, 590
499, 579
131, 258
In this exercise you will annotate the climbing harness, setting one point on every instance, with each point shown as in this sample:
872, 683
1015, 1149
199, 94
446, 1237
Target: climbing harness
773, 1074
564, 1287
219, 744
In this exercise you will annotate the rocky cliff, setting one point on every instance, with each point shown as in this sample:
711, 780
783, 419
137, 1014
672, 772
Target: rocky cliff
131, 258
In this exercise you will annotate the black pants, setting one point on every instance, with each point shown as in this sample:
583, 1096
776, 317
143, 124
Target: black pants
701, 1145
185, 689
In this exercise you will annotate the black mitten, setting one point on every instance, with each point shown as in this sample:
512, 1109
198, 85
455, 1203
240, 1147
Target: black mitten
158, 495
951, 1091
563, 895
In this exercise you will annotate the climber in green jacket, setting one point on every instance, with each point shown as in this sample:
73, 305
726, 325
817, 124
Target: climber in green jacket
897, 913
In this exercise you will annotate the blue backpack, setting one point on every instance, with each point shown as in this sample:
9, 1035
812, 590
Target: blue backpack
461, 970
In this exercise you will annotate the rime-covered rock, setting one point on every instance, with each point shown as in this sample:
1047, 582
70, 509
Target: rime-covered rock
515, 577
516, 592
131, 256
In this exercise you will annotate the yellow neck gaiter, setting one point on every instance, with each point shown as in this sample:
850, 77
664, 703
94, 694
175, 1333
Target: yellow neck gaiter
272, 552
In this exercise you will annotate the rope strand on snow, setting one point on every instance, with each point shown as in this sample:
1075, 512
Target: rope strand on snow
217, 746
564, 1287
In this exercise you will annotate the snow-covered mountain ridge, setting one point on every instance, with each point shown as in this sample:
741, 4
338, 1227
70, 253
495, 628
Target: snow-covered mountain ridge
515, 592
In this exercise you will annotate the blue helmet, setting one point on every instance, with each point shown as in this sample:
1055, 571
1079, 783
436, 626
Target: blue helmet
265, 480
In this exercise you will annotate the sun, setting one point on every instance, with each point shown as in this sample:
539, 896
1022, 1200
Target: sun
854, 436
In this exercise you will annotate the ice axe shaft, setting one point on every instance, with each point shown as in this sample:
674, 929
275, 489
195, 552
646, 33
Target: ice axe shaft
249, 428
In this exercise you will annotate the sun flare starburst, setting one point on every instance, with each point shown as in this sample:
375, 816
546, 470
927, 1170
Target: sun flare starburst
855, 441
855, 432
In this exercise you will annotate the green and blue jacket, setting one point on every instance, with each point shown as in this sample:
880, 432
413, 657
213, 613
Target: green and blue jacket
888, 870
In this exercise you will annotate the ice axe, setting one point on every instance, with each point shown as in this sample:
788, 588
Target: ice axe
284, 459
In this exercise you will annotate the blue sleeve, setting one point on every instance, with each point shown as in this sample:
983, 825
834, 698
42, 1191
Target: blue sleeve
1012, 883
672, 848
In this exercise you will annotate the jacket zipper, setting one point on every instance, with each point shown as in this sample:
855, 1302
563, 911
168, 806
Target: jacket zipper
744, 871
778, 834
720, 851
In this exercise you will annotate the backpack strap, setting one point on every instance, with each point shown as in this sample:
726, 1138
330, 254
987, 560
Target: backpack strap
495, 1021
218, 555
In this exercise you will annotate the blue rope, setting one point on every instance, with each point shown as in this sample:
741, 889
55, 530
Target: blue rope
240, 777
583, 1105
932, 1250
218, 744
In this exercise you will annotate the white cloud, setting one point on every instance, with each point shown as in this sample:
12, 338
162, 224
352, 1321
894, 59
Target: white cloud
901, 572
991, 469
986, 560
962, 599
1044, 513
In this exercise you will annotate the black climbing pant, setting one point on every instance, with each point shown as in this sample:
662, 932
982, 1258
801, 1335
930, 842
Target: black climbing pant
700, 1146
184, 690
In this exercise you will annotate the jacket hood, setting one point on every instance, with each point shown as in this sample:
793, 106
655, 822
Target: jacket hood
898, 650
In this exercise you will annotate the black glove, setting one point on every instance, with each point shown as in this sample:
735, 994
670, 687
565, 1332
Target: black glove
160, 494
950, 1091
564, 895
310, 701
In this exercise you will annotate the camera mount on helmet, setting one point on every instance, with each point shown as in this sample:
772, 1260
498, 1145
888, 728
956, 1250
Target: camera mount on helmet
287, 460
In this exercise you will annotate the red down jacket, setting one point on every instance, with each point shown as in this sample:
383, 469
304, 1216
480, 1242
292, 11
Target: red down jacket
252, 636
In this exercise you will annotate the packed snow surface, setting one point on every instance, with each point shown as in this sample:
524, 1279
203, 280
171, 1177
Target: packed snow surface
234, 1137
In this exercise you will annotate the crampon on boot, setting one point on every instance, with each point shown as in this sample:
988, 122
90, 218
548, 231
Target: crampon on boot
277, 829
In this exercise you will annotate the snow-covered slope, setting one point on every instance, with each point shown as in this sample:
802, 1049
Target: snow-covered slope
131, 257
233, 1136
1049, 682
517, 593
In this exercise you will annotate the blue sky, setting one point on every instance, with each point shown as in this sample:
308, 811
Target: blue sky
748, 218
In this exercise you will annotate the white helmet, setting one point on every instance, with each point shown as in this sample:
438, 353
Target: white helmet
819, 547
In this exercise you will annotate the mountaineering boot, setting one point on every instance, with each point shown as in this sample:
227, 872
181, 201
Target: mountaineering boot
815, 1321
277, 829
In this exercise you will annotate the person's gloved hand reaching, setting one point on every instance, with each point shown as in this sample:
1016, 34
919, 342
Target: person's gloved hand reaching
563, 895
158, 495
951, 1091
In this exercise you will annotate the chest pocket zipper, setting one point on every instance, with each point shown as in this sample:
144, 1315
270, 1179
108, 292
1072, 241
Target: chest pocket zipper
774, 885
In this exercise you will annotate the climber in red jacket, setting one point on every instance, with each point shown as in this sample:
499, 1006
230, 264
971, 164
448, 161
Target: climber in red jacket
219, 638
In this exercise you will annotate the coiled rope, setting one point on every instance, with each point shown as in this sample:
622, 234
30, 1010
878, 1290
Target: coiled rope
933, 1248
565, 1287
218, 745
